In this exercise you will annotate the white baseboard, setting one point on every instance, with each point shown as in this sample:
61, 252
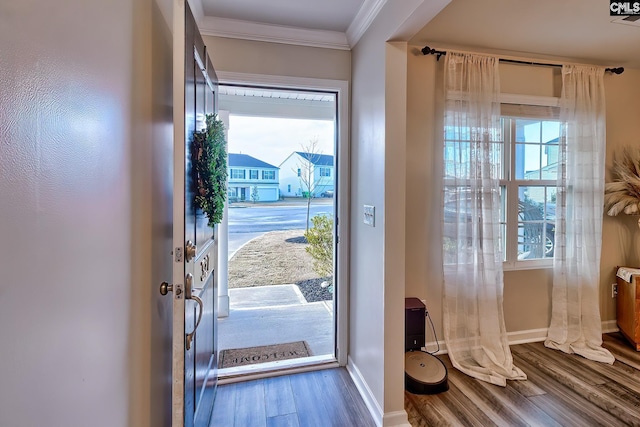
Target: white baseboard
396, 419
531, 335
391, 419
518, 337
610, 326
527, 336
372, 404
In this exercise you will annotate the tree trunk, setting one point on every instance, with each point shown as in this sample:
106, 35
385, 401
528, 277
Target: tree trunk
308, 210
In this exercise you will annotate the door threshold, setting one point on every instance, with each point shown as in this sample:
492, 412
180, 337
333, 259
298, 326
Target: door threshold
274, 369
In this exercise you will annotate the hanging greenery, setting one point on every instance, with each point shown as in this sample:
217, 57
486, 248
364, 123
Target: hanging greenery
209, 166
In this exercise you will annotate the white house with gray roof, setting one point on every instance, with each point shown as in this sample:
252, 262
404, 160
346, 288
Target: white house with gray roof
247, 173
299, 164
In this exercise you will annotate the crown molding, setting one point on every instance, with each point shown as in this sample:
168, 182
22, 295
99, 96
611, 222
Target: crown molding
232, 28
362, 21
246, 30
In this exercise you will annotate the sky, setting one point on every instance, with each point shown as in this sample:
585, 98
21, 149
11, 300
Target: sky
538, 132
273, 140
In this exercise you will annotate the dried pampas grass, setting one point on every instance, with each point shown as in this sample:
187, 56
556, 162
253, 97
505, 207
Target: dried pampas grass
623, 194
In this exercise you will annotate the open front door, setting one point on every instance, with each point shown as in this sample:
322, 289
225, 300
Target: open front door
194, 289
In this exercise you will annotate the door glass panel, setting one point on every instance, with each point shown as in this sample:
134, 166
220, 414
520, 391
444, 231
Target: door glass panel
282, 164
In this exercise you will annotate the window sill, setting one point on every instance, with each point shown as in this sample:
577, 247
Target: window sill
539, 264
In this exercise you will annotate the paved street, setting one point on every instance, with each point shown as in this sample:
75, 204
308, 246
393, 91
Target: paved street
246, 223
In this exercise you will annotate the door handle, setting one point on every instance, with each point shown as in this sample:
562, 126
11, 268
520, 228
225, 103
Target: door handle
165, 288
188, 290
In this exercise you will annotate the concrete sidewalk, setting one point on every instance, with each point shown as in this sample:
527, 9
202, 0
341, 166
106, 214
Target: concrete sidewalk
276, 314
289, 201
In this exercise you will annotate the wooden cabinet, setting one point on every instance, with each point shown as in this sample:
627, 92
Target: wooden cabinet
628, 309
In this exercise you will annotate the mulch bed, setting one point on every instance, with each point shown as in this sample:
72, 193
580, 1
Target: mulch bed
276, 258
313, 291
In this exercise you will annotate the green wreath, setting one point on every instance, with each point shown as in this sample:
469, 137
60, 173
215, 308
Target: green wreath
209, 166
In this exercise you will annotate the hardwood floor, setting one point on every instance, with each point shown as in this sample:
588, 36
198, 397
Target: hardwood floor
561, 390
326, 398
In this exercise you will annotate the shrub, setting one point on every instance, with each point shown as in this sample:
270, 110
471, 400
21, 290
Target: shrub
320, 238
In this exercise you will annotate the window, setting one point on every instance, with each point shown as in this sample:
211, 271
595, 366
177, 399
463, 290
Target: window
525, 160
534, 163
237, 173
268, 174
299, 172
253, 174
325, 172
288, 188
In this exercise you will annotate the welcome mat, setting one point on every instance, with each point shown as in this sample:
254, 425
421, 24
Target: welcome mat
266, 353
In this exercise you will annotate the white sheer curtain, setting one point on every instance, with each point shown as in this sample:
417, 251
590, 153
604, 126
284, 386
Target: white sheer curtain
575, 319
474, 327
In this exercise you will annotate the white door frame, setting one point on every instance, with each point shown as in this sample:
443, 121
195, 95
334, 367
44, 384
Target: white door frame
178, 362
341, 87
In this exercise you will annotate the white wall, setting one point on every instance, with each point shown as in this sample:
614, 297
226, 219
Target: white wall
366, 325
251, 57
377, 172
75, 170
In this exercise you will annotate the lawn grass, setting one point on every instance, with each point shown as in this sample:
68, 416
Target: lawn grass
275, 258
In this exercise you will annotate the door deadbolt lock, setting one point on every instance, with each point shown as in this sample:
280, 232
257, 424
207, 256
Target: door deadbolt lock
189, 251
165, 288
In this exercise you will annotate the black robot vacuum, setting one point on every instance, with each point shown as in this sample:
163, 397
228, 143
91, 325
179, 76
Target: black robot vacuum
424, 373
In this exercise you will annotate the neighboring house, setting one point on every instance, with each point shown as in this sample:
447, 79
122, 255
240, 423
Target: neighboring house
548, 170
246, 173
549, 161
300, 164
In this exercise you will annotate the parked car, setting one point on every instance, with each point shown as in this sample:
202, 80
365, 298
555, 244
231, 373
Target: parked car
533, 242
327, 193
536, 235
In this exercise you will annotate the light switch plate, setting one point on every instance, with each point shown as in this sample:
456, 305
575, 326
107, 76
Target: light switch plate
370, 215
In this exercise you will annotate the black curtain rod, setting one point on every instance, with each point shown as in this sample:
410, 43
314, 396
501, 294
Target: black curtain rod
428, 51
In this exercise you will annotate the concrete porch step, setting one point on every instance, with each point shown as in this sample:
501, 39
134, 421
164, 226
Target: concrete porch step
265, 296
311, 322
